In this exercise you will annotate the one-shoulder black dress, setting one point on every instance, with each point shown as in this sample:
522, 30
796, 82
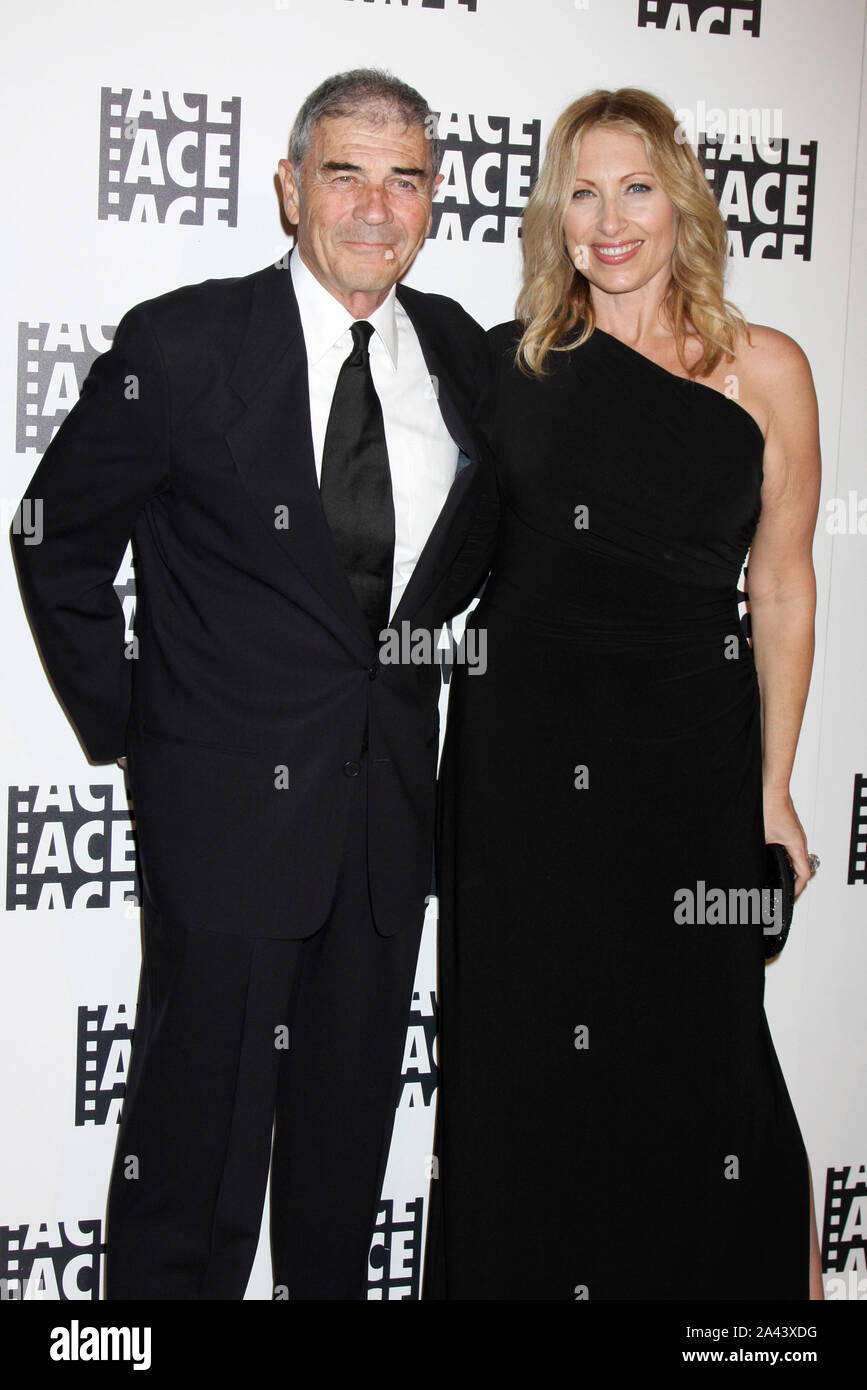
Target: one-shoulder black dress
612, 1120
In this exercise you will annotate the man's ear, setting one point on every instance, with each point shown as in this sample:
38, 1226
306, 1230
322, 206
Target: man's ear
434, 186
291, 191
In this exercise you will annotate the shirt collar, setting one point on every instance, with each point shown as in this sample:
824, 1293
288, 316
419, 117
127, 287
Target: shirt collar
324, 319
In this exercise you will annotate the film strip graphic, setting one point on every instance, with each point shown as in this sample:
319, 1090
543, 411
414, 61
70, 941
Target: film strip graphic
56, 1261
70, 847
843, 1230
103, 1051
53, 361
168, 157
858, 841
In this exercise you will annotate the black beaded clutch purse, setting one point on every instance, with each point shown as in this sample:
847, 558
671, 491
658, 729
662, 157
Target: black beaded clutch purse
780, 875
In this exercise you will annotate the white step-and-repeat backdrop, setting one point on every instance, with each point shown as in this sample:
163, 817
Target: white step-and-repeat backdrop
141, 148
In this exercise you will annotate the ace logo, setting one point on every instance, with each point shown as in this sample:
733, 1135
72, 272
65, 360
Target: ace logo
52, 1260
53, 360
489, 166
102, 1053
70, 846
766, 191
419, 1070
394, 1263
844, 1228
741, 18
168, 157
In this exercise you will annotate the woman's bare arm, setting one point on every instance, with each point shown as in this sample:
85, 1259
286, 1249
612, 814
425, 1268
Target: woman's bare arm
780, 579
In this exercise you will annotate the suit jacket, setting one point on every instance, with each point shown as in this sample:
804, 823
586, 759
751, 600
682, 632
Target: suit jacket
253, 691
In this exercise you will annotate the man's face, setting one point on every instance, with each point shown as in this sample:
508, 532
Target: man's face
362, 205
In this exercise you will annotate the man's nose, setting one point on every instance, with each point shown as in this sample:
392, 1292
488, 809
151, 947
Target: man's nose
372, 204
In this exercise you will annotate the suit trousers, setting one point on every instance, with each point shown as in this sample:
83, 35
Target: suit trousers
237, 1038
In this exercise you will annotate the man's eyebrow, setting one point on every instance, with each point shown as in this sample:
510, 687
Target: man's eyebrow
338, 166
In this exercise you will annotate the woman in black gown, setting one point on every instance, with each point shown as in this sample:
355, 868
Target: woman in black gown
613, 1122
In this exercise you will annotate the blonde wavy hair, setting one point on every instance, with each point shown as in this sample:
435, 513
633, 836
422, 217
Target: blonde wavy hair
554, 295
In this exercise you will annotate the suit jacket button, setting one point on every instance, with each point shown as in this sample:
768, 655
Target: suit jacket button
373, 671
351, 769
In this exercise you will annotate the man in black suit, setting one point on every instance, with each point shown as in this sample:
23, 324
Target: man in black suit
291, 479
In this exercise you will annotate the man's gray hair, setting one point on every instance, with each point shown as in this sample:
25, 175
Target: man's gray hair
371, 92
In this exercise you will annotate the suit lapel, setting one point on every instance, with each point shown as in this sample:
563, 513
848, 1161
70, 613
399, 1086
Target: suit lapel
272, 445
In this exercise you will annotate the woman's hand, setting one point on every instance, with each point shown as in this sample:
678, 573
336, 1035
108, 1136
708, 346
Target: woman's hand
782, 827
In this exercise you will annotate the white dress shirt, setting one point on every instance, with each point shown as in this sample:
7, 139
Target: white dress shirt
422, 455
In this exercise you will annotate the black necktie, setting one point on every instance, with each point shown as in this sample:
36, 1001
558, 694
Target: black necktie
355, 483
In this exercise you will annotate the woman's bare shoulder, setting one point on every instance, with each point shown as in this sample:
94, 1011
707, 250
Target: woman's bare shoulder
770, 354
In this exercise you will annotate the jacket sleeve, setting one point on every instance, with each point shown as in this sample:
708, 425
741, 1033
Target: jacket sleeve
109, 457
475, 557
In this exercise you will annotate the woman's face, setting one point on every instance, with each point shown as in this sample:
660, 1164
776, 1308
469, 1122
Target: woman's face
620, 226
